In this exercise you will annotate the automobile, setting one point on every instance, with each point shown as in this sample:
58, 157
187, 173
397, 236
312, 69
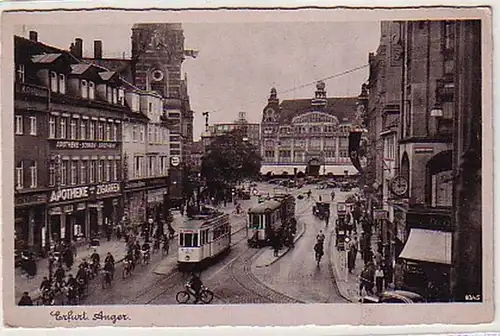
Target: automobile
245, 195
397, 296
345, 186
253, 184
274, 181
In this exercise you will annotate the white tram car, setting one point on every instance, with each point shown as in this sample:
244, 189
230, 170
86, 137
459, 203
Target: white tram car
202, 239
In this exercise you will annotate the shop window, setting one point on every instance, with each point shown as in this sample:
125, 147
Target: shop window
33, 175
19, 125
19, 175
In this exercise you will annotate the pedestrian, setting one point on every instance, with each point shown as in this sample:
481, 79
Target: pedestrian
25, 300
68, 258
365, 282
377, 257
379, 279
398, 275
31, 266
108, 232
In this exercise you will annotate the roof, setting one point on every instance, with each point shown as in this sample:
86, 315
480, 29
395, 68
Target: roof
107, 75
201, 221
78, 69
340, 107
272, 204
45, 58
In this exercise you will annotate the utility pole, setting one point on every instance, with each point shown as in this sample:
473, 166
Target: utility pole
206, 114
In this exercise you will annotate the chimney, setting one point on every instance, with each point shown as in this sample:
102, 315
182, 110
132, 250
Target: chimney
78, 48
33, 36
97, 49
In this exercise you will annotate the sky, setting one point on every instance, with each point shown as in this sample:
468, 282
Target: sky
238, 63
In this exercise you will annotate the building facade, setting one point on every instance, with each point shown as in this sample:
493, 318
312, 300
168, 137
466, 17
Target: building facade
413, 99
309, 136
251, 131
80, 142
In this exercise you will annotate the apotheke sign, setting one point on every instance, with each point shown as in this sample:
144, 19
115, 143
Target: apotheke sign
78, 193
84, 145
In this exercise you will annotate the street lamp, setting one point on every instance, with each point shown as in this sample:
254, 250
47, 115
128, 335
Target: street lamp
346, 240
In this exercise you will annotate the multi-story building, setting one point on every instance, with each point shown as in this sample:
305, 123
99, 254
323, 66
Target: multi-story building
197, 152
80, 108
251, 131
308, 136
157, 56
413, 98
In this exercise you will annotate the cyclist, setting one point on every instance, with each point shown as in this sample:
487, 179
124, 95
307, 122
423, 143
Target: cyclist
318, 249
196, 284
320, 238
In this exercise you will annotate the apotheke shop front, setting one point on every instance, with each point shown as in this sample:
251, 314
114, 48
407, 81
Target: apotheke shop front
78, 213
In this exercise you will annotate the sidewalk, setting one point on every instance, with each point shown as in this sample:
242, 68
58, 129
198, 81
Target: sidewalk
267, 257
348, 284
117, 248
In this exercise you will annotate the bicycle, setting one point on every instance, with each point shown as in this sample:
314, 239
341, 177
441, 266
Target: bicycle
206, 296
319, 255
106, 279
127, 269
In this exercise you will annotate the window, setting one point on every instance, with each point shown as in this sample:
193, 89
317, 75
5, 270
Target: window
157, 135
19, 176
138, 166
109, 94
62, 83
121, 97
92, 171
52, 127
115, 170
141, 135
152, 165
53, 81
150, 107
19, 125
64, 172
20, 73
115, 132
175, 138
91, 90
100, 171
100, 132
269, 154
189, 239
32, 125
33, 175
164, 165
83, 129
442, 189
175, 145
108, 131
83, 172
115, 96
107, 171
72, 129
52, 174
62, 125
150, 134
134, 133
449, 34
73, 172
92, 130
84, 88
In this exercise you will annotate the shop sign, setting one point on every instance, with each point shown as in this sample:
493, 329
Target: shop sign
156, 182
69, 194
29, 199
156, 196
85, 145
134, 184
78, 193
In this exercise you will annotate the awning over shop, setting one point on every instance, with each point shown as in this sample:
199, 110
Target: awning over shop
429, 246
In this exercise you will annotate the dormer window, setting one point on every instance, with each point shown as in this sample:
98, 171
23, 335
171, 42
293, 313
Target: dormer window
84, 89
20, 73
109, 94
121, 97
91, 91
115, 96
53, 81
62, 83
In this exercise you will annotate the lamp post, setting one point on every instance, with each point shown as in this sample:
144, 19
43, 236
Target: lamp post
347, 240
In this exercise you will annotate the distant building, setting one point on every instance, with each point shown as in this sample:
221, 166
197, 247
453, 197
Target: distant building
197, 152
251, 131
308, 136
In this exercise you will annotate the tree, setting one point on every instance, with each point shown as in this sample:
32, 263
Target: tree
229, 159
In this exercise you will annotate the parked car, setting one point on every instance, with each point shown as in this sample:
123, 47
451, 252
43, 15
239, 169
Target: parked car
397, 296
345, 186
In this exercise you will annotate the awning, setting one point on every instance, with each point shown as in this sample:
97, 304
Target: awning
429, 246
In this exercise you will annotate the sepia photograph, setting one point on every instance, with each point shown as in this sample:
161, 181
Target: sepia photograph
230, 164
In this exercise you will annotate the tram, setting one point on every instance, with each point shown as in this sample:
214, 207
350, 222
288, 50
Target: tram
272, 219
202, 240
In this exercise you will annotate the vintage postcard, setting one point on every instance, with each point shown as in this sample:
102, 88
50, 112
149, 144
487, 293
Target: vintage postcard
247, 167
